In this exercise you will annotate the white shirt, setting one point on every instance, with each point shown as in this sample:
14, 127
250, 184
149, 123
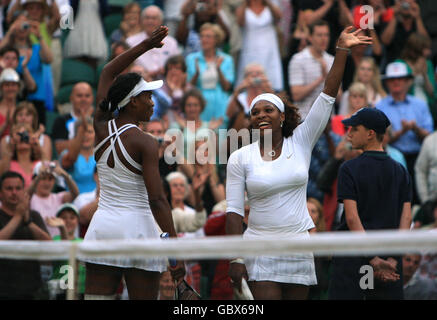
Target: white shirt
154, 59
277, 189
304, 69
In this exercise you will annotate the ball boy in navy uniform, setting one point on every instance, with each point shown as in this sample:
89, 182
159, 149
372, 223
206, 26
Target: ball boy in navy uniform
376, 193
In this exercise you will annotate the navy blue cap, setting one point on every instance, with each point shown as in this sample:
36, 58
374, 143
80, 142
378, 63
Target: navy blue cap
371, 118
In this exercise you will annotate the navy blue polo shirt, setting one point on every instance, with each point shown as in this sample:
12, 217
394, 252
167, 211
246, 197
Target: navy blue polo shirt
379, 185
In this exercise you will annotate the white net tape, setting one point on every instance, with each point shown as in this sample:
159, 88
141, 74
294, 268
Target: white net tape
329, 243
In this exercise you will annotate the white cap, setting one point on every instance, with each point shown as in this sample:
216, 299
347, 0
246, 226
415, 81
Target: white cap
141, 86
9, 75
397, 70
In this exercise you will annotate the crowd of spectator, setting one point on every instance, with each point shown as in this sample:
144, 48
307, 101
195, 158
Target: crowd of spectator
219, 55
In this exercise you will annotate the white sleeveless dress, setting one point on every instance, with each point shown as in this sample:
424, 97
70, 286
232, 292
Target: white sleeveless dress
260, 44
123, 212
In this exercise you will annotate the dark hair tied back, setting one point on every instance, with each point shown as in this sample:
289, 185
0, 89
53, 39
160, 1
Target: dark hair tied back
119, 89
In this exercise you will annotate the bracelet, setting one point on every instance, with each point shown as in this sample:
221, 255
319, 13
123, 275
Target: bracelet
344, 49
238, 260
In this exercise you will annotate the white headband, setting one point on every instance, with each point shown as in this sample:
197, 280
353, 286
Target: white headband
270, 98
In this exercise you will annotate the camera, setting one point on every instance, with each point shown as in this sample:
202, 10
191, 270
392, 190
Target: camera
25, 26
257, 81
24, 136
405, 5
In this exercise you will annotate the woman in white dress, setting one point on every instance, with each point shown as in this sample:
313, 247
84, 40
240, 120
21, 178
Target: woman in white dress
87, 39
131, 203
260, 41
276, 179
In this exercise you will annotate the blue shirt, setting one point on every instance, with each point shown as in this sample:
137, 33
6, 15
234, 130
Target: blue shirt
410, 109
82, 173
216, 98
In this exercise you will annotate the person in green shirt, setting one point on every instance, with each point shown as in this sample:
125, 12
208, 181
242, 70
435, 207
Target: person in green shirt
67, 220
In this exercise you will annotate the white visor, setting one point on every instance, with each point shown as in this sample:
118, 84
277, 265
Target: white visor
277, 102
140, 87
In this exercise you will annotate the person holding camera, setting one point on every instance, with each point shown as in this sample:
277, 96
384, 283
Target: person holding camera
34, 54
406, 20
9, 89
23, 152
43, 199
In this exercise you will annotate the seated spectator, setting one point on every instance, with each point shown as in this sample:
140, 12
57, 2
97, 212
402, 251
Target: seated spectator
22, 154
257, 20
43, 199
307, 69
254, 83
118, 48
406, 20
153, 60
81, 99
175, 82
357, 99
416, 54
26, 113
35, 56
87, 41
167, 287
19, 279
368, 74
212, 72
410, 118
87, 203
188, 31
416, 287
9, 88
78, 159
426, 170
131, 23
67, 221
315, 210
9, 58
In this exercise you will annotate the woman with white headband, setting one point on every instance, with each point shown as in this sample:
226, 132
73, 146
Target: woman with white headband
274, 172
127, 162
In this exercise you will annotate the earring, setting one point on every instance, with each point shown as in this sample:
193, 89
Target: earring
282, 122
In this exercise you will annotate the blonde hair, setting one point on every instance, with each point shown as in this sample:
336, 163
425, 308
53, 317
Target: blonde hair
219, 33
358, 88
376, 78
320, 226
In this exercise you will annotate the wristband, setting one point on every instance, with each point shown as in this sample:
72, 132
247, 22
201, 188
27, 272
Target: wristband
344, 49
238, 260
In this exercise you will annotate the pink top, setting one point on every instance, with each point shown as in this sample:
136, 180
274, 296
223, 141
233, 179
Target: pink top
47, 207
15, 166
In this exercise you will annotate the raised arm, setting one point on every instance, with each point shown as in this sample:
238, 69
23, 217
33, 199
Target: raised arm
121, 62
346, 41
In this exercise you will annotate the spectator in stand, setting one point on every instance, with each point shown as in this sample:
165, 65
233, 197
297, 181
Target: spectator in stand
307, 69
23, 152
19, 279
416, 54
9, 58
87, 203
258, 19
87, 41
202, 11
410, 117
153, 60
416, 287
81, 99
67, 221
78, 159
406, 20
367, 73
394, 153
357, 99
212, 72
34, 55
167, 287
336, 13
9, 88
130, 25
254, 83
175, 83
26, 113
43, 199
426, 170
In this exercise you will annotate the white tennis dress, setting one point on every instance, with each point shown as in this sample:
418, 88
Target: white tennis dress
123, 212
277, 197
